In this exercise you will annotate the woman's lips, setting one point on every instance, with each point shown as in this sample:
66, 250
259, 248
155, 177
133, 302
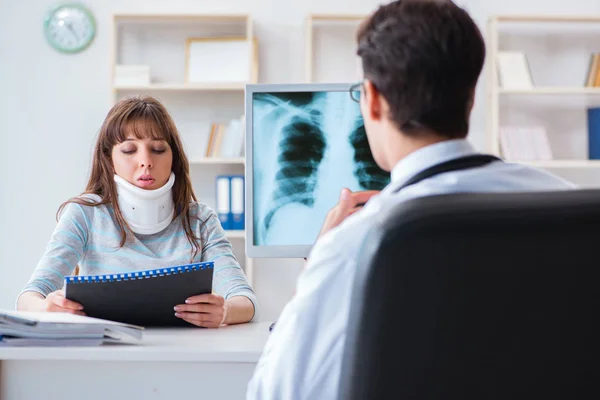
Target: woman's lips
145, 181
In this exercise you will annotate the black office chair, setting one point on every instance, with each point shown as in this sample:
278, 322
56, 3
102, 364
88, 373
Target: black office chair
478, 296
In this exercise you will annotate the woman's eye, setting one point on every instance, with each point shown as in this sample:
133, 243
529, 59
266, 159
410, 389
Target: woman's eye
128, 151
159, 151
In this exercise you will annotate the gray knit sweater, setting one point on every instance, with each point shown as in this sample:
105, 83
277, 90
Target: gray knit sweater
89, 237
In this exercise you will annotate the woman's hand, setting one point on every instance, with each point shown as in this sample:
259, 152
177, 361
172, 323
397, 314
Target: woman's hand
57, 302
206, 310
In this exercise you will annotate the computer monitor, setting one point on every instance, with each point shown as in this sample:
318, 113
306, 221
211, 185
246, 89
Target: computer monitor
304, 143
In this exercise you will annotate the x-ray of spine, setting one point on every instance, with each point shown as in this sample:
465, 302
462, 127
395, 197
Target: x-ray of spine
307, 146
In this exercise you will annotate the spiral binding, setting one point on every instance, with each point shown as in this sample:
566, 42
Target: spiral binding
128, 276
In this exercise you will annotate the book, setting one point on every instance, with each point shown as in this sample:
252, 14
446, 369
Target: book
231, 208
225, 139
525, 143
211, 140
593, 73
238, 209
223, 194
216, 150
144, 298
27, 328
593, 122
541, 144
514, 71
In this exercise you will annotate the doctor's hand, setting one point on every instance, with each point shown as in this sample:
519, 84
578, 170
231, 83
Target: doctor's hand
350, 202
205, 310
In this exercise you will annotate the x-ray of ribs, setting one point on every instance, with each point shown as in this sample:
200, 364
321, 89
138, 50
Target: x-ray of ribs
302, 148
366, 170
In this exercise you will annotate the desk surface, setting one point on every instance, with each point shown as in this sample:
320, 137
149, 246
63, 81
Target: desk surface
237, 343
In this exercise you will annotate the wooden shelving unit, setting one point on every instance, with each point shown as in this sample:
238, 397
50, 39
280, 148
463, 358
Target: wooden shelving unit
570, 91
183, 87
219, 25
316, 18
208, 160
561, 164
160, 42
538, 18
495, 94
313, 22
235, 234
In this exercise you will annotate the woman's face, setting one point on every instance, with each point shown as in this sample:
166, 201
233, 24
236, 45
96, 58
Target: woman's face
145, 163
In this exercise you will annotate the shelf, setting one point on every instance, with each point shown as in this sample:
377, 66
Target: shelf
553, 91
208, 160
337, 17
185, 87
546, 18
219, 18
315, 48
548, 105
235, 234
562, 163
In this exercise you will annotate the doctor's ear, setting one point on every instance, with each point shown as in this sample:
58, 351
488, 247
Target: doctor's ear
374, 103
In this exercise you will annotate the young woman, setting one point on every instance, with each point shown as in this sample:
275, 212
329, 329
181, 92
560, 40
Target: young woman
139, 212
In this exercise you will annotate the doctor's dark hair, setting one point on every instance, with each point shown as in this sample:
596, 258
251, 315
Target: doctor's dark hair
424, 57
144, 117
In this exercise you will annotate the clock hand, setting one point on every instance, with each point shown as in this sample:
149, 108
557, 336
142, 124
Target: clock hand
70, 28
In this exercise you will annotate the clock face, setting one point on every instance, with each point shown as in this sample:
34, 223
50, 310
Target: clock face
70, 28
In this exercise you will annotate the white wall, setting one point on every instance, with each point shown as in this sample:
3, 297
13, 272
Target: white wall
51, 106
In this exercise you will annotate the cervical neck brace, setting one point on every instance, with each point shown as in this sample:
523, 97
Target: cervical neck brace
146, 211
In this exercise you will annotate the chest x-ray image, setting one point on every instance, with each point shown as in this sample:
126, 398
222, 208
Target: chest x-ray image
307, 146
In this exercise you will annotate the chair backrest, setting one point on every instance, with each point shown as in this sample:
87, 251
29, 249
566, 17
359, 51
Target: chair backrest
478, 296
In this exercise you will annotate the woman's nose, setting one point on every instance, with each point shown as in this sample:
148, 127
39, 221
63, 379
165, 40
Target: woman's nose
146, 161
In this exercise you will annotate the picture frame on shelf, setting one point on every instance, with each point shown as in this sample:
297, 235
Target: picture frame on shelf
214, 60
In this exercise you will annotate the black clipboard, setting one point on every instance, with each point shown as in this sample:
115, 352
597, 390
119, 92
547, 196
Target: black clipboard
144, 298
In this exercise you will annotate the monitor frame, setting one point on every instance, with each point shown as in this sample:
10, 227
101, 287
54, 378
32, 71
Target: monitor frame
272, 251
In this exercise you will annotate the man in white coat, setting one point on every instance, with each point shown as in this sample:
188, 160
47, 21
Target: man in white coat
421, 63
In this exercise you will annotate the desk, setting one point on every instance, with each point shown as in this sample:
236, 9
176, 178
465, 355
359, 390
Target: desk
167, 364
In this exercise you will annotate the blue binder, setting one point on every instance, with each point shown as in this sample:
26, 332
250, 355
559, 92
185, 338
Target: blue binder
238, 209
223, 197
594, 133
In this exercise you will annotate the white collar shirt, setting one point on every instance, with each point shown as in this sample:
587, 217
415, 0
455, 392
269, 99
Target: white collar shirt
303, 355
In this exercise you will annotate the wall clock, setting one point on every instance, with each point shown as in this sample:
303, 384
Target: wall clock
70, 28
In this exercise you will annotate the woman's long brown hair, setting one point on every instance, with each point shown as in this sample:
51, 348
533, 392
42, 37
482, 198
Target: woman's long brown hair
143, 117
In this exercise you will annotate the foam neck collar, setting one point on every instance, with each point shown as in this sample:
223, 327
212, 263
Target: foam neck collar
146, 211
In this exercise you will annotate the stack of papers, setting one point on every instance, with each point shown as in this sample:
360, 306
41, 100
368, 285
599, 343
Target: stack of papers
21, 328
